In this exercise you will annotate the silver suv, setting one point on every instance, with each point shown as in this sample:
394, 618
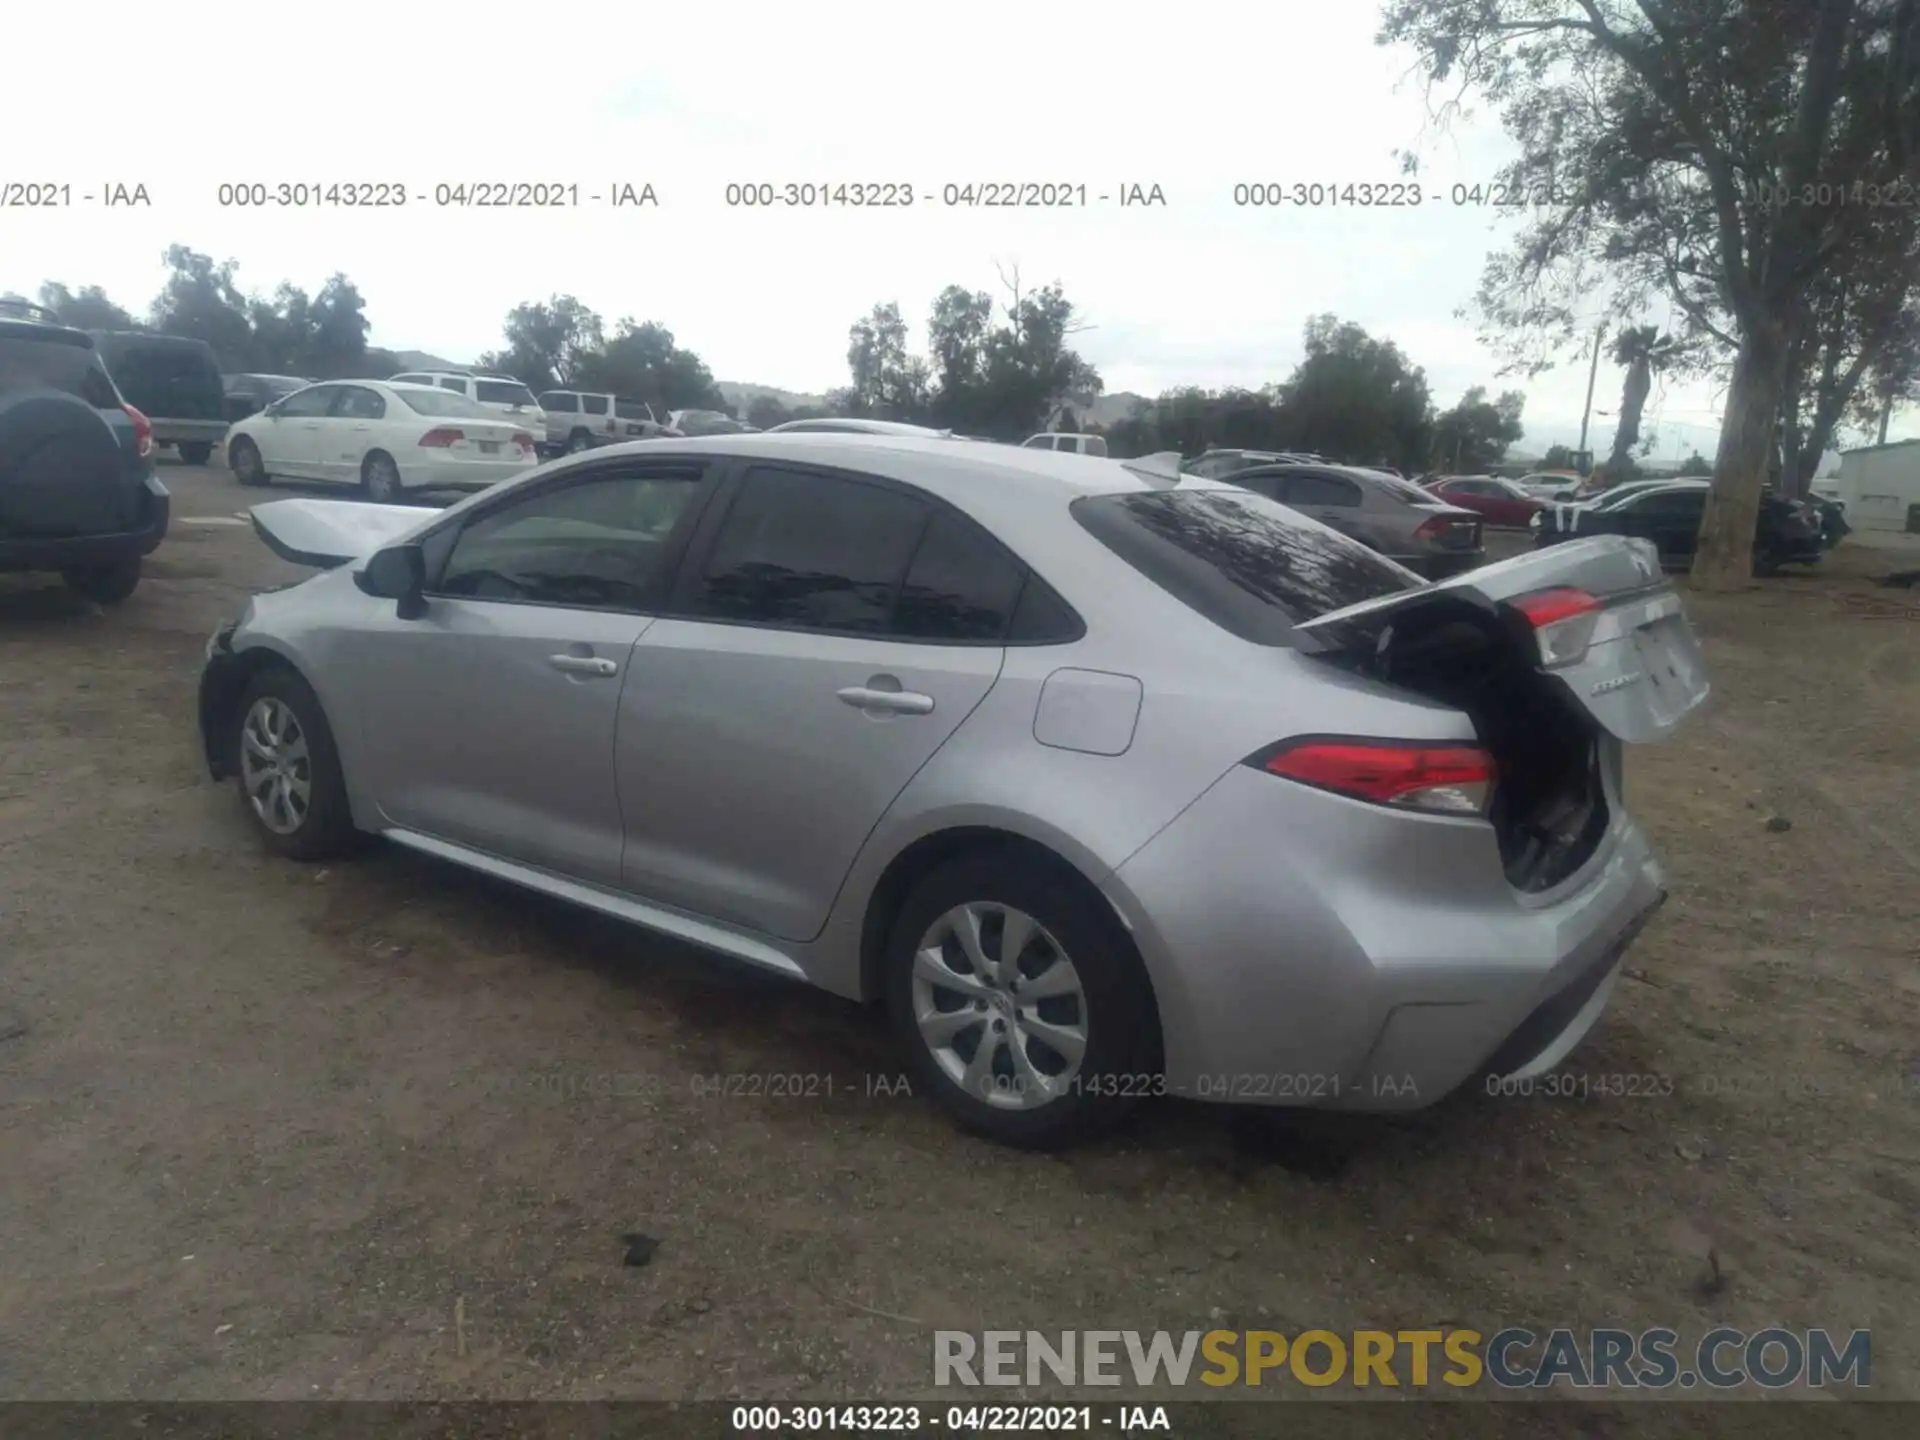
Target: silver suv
1106, 783
580, 420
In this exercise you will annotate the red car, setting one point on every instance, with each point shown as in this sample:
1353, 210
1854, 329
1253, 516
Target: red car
1499, 502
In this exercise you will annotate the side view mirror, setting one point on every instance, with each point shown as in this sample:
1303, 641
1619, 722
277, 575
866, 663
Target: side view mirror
399, 573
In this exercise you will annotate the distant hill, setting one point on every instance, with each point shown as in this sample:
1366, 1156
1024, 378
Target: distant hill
421, 360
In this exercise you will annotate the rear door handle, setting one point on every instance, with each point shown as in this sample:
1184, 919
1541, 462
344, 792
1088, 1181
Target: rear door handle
887, 702
583, 664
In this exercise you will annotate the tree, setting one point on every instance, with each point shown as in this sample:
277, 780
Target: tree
957, 334
547, 342
1695, 464
1356, 397
201, 302
643, 362
337, 340
1642, 349
88, 308
1030, 366
888, 382
1470, 438
764, 412
282, 332
1558, 457
1726, 155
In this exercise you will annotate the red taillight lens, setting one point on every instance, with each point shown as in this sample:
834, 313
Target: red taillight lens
523, 440
1445, 779
142, 432
446, 435
611, 427
1563, 621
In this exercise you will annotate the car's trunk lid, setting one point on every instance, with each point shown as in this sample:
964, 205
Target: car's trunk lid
1640, 673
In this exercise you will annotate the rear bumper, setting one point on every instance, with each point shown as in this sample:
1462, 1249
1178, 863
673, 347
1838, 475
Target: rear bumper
1310, 950
173, 432
461, 474
32, 553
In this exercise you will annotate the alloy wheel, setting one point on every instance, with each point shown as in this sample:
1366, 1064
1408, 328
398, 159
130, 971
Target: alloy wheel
1000, 1006
275, 768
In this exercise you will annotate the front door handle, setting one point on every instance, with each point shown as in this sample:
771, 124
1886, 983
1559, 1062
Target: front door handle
887, 702
583, 664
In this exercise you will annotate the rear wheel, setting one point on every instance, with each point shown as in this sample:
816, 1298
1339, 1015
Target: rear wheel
106, 584
244, 456
197, 452
289, 770
578, 441
381, 477
1022, 1006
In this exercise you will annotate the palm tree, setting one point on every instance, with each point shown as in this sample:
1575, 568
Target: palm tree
1642, 349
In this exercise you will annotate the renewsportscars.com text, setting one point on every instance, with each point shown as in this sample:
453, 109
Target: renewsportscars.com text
1513, 1358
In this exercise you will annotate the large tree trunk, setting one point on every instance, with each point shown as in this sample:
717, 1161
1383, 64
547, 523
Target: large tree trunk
1724, 559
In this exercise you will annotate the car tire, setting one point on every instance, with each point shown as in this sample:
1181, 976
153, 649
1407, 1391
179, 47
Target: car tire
579, 442
104, 584
196, 453
1110, 1004
1767, 563
309, 819
243, 457
381, 478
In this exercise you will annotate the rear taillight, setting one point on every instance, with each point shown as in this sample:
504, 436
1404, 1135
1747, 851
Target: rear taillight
611, 427
1441, 779
142, 432
523, 440
1563, 621
1444, 524
441, 438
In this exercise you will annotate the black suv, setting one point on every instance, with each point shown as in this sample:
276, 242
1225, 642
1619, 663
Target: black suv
174, 382
77, 488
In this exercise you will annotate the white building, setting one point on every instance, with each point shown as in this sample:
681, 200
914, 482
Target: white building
1878, 483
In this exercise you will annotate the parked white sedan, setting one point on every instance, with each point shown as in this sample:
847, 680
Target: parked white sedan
382, 437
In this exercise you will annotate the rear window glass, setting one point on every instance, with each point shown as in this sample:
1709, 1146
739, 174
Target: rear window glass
55, 365
441, 402
1406, 489
631, 410
502, 392
1253, 567
560, 400
594, 404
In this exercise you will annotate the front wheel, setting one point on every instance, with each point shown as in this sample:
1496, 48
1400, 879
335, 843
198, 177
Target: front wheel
381, 477
1022, 1007
106, 584
244, 457
196, 452
289, 770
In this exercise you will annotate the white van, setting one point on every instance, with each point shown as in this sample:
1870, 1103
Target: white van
502, 393
1077, 444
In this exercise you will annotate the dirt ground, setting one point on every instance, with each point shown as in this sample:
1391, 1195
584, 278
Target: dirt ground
375, 1131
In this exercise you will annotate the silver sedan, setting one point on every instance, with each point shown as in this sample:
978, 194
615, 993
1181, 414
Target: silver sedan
1105, 781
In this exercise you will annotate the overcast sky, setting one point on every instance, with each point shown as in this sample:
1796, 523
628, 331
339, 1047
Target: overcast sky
1193, 99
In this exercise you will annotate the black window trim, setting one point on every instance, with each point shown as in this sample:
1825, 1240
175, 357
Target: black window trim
733, 484
439, 541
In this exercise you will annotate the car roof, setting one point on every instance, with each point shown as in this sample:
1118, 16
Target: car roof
41, 330
857, 426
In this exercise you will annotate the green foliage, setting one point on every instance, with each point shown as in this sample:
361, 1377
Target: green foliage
1696, 464
88, 308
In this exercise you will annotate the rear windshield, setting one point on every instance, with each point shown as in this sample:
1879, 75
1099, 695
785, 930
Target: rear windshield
503, 392
1250, 565
1402, 489
441, 402
177, 380
55, 364
631, 410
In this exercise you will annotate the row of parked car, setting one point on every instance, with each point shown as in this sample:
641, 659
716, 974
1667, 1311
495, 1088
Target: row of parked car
1436, 524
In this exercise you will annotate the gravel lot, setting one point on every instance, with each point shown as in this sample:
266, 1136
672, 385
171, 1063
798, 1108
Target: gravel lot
375, 1131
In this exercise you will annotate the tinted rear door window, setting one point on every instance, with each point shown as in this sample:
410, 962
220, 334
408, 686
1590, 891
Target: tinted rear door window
1249, 565
560, 401
812, 551
55, 365
1319, 490
594, 404
962, 585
